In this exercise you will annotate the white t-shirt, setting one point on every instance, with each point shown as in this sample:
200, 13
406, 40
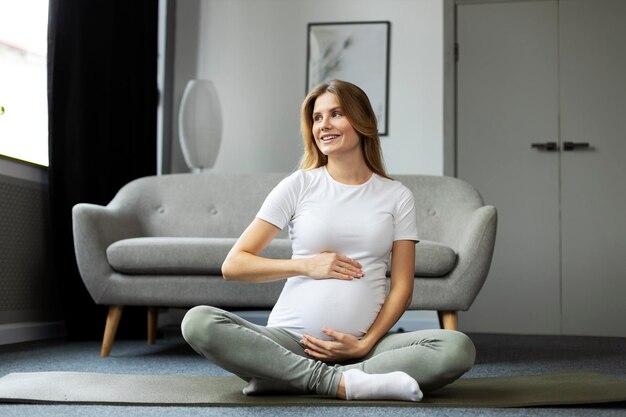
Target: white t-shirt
358, 221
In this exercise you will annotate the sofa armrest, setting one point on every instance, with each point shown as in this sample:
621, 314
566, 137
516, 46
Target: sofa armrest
475, 245
95, 228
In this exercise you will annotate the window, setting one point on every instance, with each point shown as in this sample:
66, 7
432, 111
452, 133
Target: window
23, 84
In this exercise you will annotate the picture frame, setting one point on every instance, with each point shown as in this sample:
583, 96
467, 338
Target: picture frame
357, 52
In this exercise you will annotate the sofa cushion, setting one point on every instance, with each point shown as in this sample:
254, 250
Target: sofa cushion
175, 255
204, 256
432, 259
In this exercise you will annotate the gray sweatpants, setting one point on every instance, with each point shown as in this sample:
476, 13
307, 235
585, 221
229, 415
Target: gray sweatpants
434, 358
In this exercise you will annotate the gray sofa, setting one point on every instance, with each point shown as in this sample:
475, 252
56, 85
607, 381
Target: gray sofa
161, 242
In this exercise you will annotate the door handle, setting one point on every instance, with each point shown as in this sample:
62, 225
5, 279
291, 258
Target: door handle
572, 146
547, 146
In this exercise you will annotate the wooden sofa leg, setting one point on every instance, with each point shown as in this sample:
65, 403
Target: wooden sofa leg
448, 320
153, 316
113, 320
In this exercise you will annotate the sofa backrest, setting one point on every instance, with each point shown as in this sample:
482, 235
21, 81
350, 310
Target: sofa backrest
222, 205
195, 205
442, 205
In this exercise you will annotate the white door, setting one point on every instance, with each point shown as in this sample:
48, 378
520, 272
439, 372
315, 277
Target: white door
507, 100
593, 188
540, 72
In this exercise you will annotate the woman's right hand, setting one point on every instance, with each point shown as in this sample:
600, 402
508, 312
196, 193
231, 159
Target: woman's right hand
328, 265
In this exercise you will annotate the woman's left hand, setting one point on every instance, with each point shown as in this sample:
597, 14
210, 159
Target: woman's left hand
342, 346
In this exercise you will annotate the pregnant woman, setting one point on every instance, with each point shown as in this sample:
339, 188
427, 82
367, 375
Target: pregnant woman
328, 332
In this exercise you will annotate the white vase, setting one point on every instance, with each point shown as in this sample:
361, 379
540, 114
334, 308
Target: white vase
200, 124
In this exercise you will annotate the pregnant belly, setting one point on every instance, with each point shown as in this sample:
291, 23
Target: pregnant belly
307, 305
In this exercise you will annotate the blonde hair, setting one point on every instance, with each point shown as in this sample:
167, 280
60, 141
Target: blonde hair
358, 110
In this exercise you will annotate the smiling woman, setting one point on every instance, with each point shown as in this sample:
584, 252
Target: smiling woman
348, 222
23, 38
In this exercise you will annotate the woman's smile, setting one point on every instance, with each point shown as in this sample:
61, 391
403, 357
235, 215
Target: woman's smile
327, 138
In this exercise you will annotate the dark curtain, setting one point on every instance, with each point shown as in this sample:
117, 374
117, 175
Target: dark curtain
102, 98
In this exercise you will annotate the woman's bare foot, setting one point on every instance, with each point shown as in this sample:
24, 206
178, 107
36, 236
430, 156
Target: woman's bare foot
341, 391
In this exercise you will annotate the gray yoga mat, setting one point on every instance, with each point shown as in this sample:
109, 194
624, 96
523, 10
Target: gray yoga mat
181, 390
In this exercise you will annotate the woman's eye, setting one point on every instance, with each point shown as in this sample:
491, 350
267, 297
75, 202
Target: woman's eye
336, 114
317, 118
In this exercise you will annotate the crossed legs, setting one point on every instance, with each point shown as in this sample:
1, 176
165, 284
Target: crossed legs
271, 359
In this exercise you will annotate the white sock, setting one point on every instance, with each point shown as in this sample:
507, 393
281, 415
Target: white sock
392, 386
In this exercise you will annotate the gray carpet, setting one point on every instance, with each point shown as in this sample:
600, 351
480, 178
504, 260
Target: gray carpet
497, 356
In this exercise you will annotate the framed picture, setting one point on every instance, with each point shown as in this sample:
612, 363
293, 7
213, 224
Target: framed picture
357, 52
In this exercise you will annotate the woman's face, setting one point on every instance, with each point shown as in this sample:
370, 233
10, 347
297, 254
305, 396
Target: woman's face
333, 133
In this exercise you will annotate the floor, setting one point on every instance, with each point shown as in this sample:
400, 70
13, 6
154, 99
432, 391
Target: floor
497, 355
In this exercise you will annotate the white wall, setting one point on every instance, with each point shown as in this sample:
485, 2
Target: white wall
185, 56
255, 52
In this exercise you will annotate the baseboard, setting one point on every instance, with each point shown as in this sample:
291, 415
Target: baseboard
30, 331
